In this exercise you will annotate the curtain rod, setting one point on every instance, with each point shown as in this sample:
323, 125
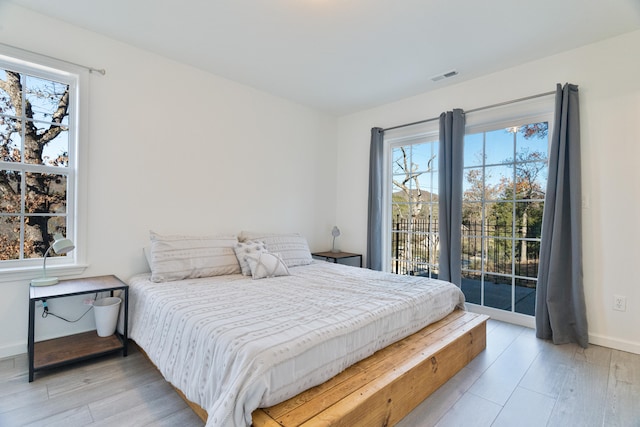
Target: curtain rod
90, 69
513, 101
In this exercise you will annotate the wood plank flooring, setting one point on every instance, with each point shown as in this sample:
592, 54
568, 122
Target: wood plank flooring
517, 381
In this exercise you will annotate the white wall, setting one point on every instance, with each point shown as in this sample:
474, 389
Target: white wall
225, 157
608, 75
176, 150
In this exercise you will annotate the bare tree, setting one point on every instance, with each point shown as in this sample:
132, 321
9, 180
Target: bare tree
45, 193
409, 184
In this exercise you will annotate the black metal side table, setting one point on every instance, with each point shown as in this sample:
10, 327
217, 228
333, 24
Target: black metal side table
337, 257
74, 348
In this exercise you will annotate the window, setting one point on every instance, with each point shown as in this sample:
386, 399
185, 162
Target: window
38, 161
505, 175
414, 207
504, 183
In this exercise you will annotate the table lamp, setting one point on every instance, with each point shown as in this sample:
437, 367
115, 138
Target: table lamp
335, 232
60, 245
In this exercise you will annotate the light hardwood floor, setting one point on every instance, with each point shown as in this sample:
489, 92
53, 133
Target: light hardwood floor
517, 381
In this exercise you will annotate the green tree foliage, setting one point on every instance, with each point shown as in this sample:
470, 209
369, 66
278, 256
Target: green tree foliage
522, 197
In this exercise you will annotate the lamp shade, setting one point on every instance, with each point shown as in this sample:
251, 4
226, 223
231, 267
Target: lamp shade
61, 246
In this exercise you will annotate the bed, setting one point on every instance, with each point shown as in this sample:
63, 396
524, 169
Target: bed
232, 344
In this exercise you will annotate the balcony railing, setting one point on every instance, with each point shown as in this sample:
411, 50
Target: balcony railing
415, 248
498, 270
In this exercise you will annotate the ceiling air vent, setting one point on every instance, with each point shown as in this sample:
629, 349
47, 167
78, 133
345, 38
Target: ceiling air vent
444, 76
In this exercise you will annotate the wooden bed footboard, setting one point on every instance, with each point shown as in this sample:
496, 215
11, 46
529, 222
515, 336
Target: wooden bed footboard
383, 388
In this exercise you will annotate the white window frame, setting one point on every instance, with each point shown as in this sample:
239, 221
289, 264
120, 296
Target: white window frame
529, 111
397, 138
45, 67
524, 112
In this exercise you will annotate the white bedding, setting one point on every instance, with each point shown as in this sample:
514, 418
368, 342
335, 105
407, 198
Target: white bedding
233, 344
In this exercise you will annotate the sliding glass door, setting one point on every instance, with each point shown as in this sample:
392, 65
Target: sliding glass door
505, 179
414, 207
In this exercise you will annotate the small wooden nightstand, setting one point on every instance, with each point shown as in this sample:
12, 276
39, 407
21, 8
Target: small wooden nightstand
337, 257
73, 348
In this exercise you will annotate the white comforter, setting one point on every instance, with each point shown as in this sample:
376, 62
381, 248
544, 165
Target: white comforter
233, 344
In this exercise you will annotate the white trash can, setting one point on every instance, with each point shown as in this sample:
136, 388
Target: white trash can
106, 311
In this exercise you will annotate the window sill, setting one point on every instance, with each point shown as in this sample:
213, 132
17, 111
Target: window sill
28, 273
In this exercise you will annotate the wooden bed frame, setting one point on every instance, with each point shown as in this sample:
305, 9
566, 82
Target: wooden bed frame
385, 387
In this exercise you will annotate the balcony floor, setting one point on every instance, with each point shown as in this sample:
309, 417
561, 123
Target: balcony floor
498, 295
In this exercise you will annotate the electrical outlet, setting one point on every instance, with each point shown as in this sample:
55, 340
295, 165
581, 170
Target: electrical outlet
619, 303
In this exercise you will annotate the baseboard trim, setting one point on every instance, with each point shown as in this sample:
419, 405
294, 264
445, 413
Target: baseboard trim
530, 322
13, 350
614, 343
504, 316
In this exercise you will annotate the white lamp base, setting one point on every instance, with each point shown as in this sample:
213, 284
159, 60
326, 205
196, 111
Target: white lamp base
44, 281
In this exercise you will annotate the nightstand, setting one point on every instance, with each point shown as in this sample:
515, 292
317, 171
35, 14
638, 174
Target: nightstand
339, 257
74, 348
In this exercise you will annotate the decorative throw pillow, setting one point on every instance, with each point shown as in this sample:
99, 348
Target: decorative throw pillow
184, 257
250, 247
266, 264
293, 248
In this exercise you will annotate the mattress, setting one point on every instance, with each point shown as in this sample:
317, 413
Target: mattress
232, 344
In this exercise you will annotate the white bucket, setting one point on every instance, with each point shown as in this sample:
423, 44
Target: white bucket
106, 311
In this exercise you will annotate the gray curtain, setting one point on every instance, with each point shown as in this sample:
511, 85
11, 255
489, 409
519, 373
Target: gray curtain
560, 307
450, 164
376, 183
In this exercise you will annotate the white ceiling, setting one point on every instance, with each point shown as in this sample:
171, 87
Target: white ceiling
342, 56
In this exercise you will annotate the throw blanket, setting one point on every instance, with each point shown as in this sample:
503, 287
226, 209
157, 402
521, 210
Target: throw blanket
233, 344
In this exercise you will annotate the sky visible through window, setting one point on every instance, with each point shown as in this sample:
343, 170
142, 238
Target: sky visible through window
500, 150
34, 163
41, 94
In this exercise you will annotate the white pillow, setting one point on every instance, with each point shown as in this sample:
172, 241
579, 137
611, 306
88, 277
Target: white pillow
184, 257
242, 249
293, 248
266, 264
